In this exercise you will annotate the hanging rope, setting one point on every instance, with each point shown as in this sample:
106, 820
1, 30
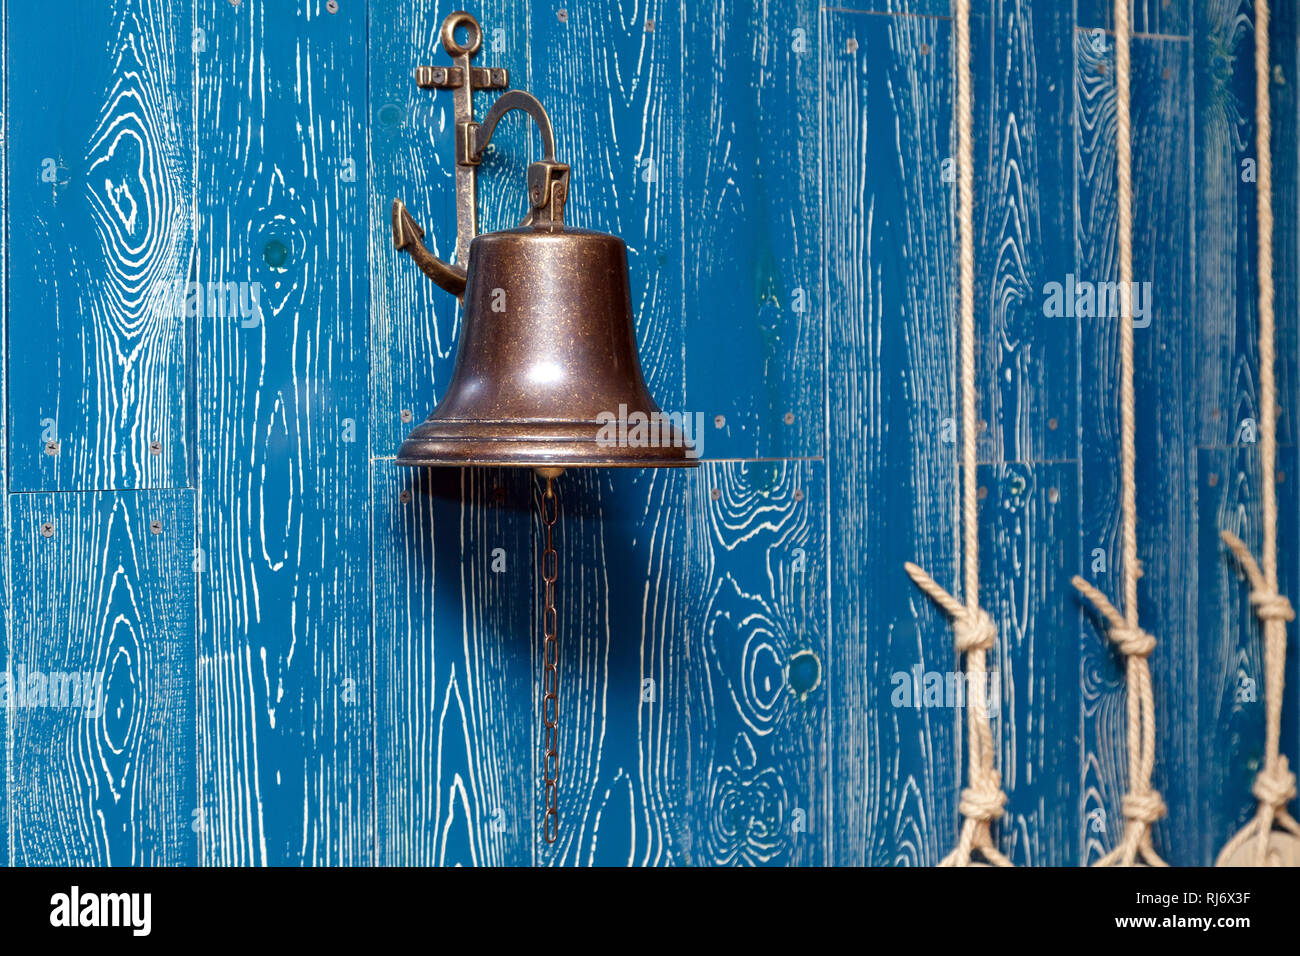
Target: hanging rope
1142, 804
974, 631
1275, 785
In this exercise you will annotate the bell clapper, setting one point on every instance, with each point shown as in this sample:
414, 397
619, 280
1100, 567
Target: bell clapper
550, 656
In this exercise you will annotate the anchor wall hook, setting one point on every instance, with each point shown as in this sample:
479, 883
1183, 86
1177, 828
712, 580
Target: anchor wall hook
548, 179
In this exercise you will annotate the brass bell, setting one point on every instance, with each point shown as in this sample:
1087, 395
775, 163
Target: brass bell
547, 374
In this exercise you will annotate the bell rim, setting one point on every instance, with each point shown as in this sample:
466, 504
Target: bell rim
565, 463
535, 451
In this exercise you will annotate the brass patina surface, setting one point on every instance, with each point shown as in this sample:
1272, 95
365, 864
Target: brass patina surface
533, 376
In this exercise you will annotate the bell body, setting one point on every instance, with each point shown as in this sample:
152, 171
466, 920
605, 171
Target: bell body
546, 371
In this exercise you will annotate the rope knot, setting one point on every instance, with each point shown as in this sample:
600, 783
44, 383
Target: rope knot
1275, 786
974, 631
1271, 606
1145, 807
1133, 641
983, 800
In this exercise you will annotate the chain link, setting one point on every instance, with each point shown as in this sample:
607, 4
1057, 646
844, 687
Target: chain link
550, 665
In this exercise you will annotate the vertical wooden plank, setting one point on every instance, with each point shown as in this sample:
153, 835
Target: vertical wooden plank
6, 590
100, 185
1024, 208
758, 747
1230, 650
100, 682
1028, 553
751, 163
1226, 225
1166, 389
453, 637
454, 764
1285, 57
888, 252
621, 600
282, 416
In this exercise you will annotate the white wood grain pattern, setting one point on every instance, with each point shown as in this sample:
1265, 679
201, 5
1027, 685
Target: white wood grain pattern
282, 411
101, 349
692, 670
453, 650
107, 779
888, 243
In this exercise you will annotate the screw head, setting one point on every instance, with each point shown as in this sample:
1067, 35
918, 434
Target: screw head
51, 448
155, 526
719, 421
562, 14
406, 415
715, 493
789, 418
332, 6
798, 494
155, 448
47, 529
404, 496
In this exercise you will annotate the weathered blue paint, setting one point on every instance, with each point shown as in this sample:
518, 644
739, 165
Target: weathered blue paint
338, 661
100, 159
102, 672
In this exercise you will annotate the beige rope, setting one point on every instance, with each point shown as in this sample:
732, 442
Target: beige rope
1142, 805
975, 633
1275, 785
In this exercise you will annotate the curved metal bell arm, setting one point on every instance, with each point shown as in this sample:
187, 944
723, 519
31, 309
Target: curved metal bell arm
514, 100
548, 179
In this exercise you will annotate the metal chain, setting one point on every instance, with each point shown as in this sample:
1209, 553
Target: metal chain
550, 664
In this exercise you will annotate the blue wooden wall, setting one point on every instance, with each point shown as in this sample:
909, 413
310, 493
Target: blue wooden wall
302, 654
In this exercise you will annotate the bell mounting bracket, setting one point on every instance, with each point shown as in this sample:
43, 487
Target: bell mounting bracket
548, 179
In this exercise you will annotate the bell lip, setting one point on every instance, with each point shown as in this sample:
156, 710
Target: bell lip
564, 463
536, 443
536, 453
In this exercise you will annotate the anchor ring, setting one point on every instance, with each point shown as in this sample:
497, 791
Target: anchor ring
474, 34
